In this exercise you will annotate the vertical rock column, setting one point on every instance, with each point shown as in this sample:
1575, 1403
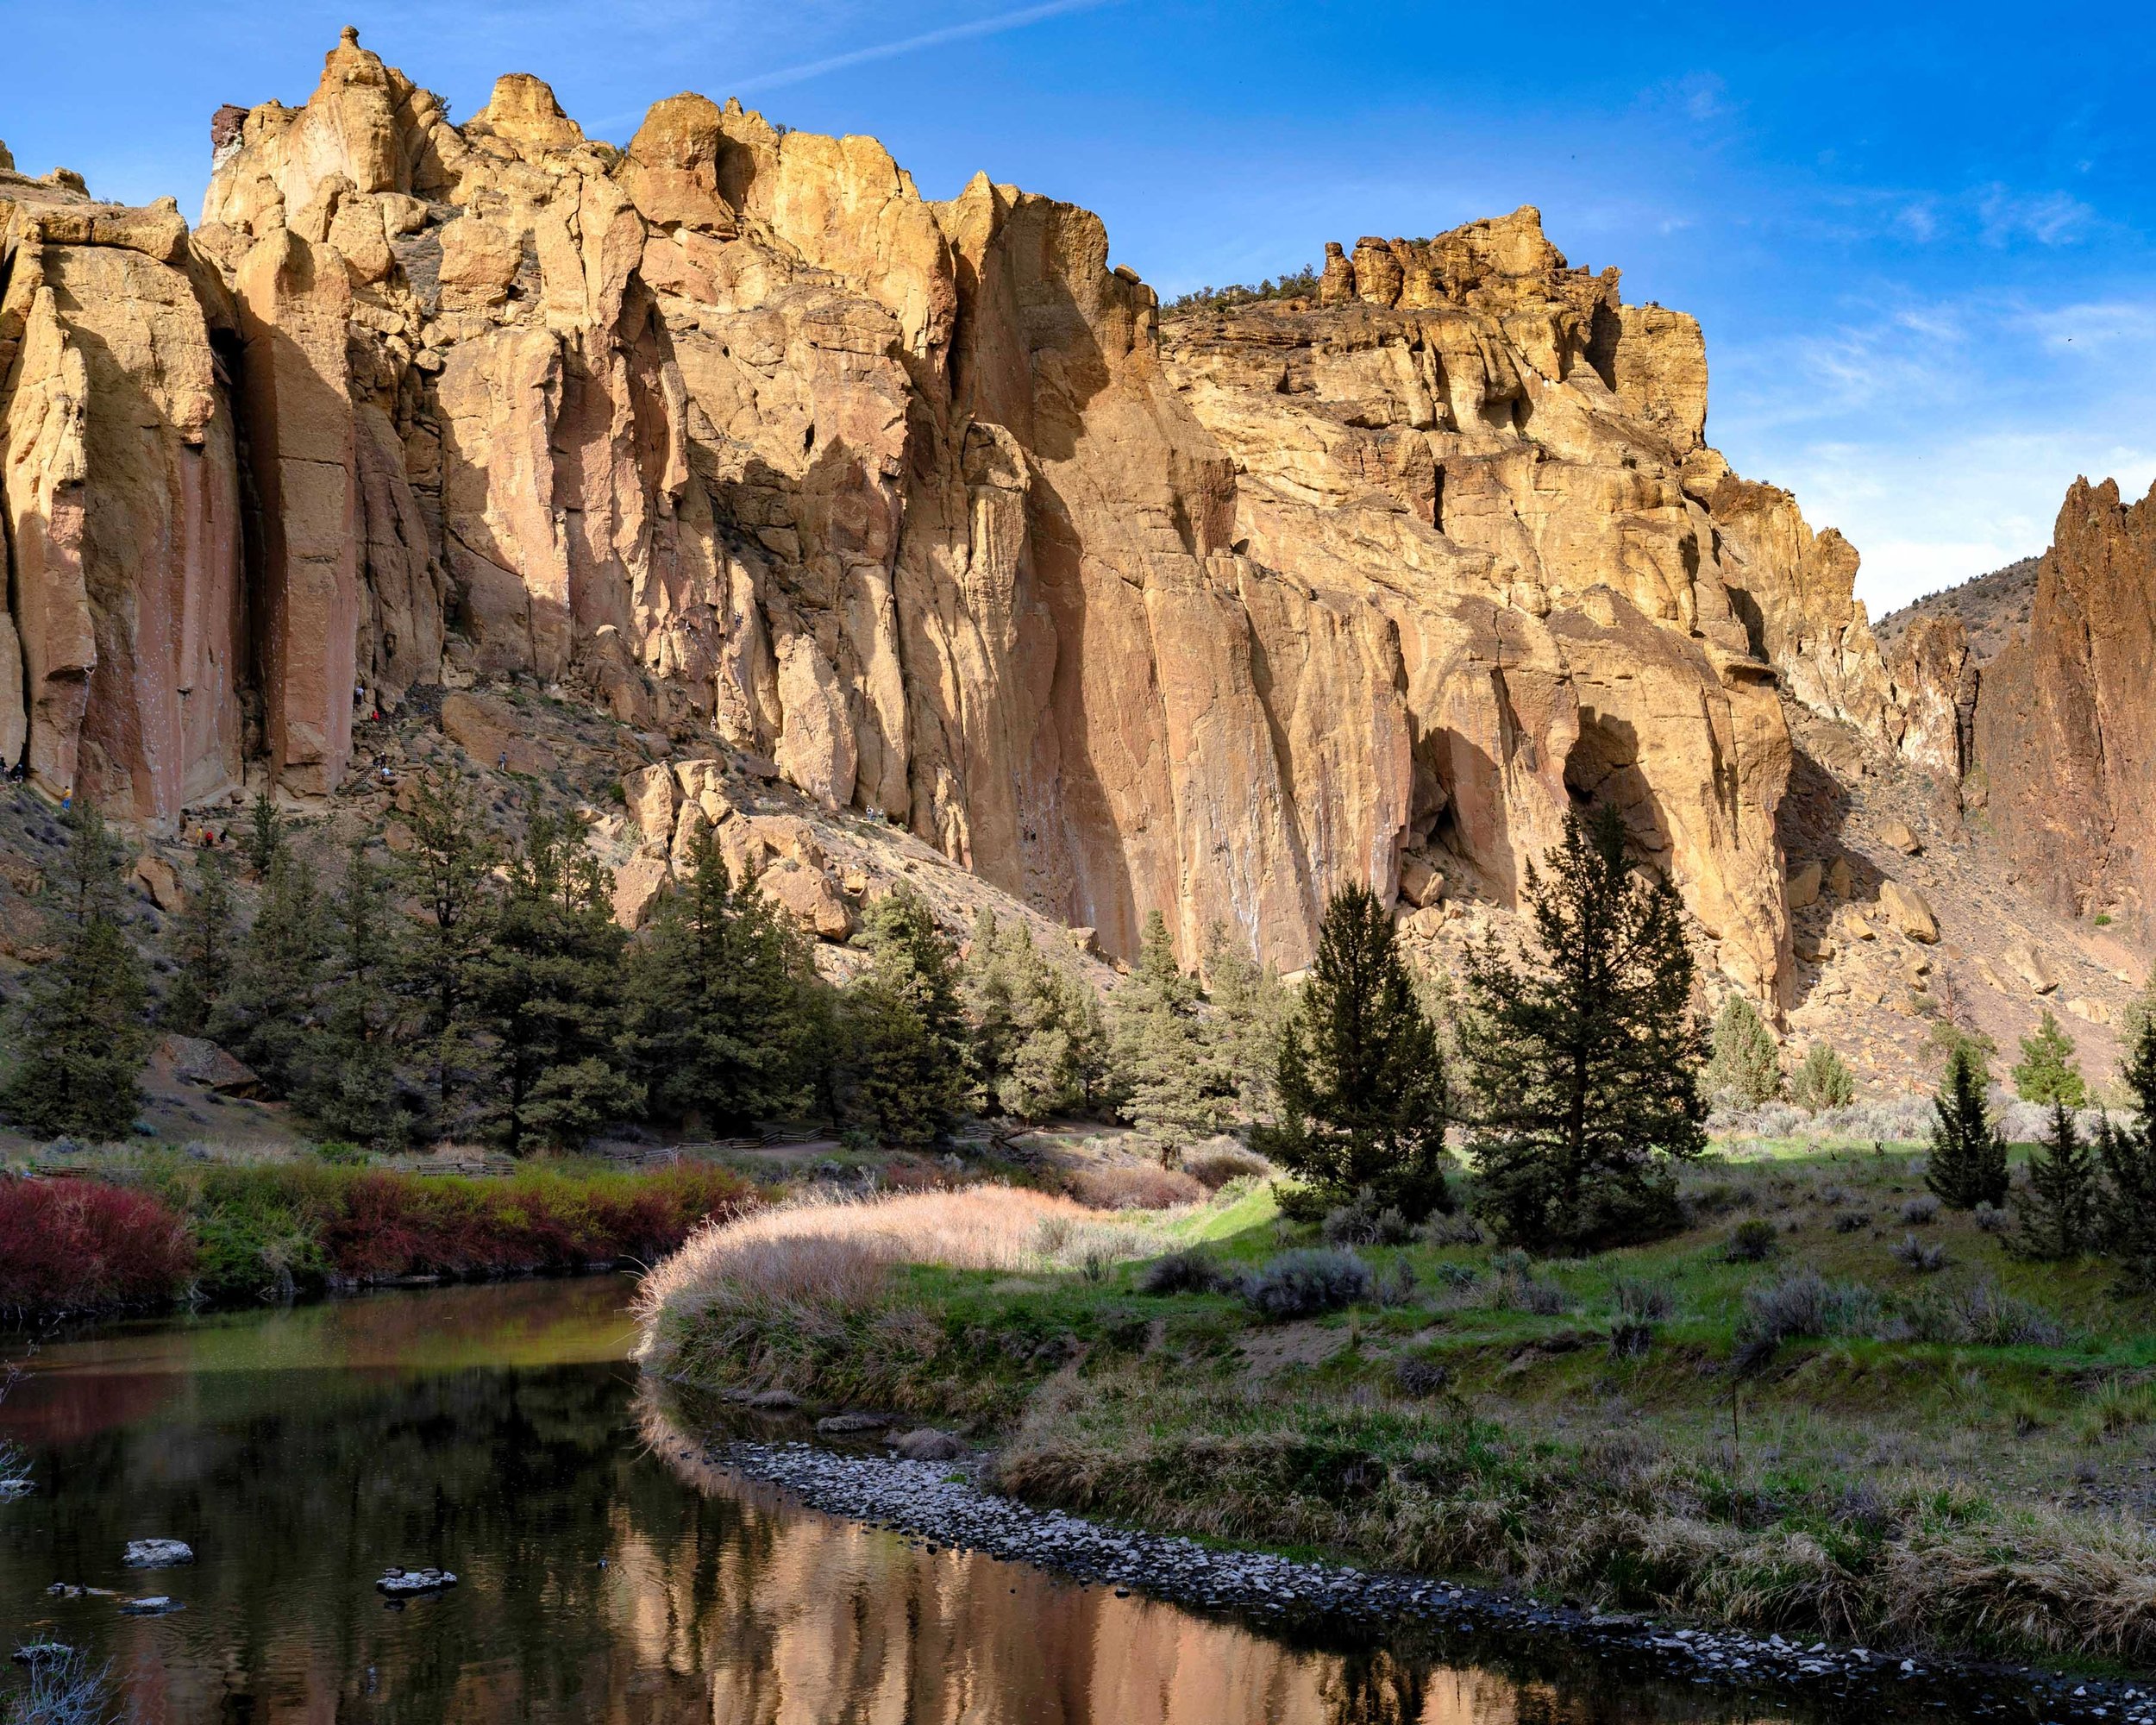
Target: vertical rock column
294, 297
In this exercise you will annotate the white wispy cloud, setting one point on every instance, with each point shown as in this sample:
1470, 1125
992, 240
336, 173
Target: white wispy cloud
994, 25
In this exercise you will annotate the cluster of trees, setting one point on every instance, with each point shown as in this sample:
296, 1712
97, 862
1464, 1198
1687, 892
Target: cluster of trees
2093, 1194
1572, 1066
471, 985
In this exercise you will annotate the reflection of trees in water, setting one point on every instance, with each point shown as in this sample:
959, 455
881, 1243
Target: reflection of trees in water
830, 1621
596, 1588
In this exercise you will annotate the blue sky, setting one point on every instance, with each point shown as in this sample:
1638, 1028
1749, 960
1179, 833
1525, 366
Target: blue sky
1918, 237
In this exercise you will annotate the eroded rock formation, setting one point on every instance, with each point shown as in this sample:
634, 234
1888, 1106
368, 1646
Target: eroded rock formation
2064, 731
734, 435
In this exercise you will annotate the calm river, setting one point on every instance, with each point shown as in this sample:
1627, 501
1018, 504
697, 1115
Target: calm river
494, 1431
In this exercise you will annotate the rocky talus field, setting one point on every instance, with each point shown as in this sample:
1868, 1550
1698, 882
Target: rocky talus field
724, 478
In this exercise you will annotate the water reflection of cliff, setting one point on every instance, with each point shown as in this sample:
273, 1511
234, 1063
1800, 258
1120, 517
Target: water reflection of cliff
816, 1619
609, 1576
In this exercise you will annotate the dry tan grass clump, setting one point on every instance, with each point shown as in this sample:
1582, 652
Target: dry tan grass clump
825, 1255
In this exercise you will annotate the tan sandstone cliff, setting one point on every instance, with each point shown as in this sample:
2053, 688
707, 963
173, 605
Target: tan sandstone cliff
734, 435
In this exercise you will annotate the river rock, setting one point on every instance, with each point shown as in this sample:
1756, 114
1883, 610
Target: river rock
157, 1553
150, 1605
843, 1425
928, 1444
402, 1584
774, 1401
40, 1652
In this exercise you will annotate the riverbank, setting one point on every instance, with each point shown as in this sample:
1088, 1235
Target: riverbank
1951, 1459
160, 1230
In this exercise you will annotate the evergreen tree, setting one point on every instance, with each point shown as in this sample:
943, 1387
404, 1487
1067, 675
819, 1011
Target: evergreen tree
352, 1084
717, 1000
1582, 1058
266, 1014
1949, 1038
1249, 1013
449, 870
1744, 1066
265, 834
1360, 1080
2128, 1152
1170, 1085
2046, 1071
2059, 1216
206, 937
1822, 1081
1967, 1165
545, 993
904, 1028
80, 1036
1031, 1029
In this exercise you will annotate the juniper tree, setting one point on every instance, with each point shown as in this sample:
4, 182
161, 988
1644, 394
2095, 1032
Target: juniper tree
1744, 1066
352, 1084
204, 939
2046, 1071
1249, 1010
717, 999
2058, 1215
1822, 1081
1028, 1029
902, 1026
1967, 1165
545, 991
2128, 1151
1170, 1085
1360, 1081
1948, 1038
265, 833
265, 1016
1582, 1056
80, 1038
447, 870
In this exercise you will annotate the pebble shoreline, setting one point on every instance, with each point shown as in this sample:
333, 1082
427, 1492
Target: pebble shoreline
944, 1503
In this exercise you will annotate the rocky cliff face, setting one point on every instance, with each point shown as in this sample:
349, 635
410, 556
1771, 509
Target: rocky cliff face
2064, 729
734, 435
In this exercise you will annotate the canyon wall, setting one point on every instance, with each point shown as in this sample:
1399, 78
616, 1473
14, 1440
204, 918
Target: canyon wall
734, 435
2063, 730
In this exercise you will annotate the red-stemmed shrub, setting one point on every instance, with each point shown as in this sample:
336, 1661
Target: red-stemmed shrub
76, 1246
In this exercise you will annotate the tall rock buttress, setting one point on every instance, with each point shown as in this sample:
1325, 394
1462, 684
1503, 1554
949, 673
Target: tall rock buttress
734, 433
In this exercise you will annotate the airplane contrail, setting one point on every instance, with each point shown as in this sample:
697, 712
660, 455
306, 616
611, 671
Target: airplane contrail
979, 27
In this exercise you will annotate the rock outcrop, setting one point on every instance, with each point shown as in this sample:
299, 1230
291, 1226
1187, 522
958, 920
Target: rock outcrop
2064, 729
734, 434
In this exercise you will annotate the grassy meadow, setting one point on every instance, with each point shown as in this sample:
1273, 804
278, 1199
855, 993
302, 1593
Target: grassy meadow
1827, 1407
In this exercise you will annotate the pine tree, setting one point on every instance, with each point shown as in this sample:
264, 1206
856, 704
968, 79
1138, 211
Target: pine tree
2046, 1071
2128, 1152
80, 1038
1169, 1085
1361, 1082
904, 1028
1583, 1057
717, 1001
448, 869
545, 996
2059, 1216
1249, 1012
1744, 1066
1822, 1081
205, 939
266, 1014
266, 833
351, 1083
1967, 1165
1030, 1024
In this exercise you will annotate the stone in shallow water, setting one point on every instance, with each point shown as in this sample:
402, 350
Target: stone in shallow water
774, 1401
151, 1605
157, 1553
40, 1652
402, 1583
928, 1444
838, 1425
